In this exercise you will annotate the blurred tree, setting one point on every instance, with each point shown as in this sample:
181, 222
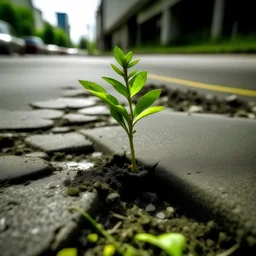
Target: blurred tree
27, 29
26, 19
47, 34
61, 38
9, 14
83, 43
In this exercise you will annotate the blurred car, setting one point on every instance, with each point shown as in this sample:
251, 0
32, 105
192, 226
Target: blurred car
72, 51
52, 49
9, 42
63, 50
35, 45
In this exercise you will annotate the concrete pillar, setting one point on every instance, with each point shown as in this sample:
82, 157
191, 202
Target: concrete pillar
169, 27
165, 27
217, 18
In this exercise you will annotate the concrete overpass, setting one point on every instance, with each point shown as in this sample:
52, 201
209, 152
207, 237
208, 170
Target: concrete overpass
141, 22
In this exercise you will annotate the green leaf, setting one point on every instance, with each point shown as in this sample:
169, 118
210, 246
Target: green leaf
128, 57
112, 102
137, 82
132, 73
131, 251
92, 86
117, 85
172, 243
146, 100
67, 252
117, 70
105, 97
122, 110
118, 117
133, 63
148, 111
112, 99
119, 56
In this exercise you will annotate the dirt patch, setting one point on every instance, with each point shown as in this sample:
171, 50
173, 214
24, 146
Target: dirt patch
193, 102
130, 204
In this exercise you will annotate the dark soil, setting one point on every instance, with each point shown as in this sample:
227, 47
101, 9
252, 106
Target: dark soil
130, 204
183, 100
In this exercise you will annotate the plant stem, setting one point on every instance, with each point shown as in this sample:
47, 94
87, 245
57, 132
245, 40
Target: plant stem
130, 132
100, 229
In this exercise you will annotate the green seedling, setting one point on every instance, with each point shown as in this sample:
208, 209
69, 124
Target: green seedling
133, 83
67, 252
172, 243
124, 250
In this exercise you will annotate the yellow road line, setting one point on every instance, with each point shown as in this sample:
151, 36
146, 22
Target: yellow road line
212, 87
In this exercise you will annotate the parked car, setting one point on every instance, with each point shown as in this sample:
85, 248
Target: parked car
63, 51
35, 45
9, 42
72, 51
52, 49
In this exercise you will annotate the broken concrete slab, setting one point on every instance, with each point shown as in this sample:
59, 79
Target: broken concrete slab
66, 142
14, 121
74, 92
79, 119
73, 166
207, 161
42, 113
38, 154
28, 120
17, 169
38, 219
62, 129
33, 114
64, 103
94, 111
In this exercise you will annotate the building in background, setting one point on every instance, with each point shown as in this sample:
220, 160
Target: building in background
151, 22
39, 23
62, 19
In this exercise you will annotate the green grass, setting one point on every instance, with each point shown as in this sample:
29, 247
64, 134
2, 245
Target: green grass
203, 48
240, 44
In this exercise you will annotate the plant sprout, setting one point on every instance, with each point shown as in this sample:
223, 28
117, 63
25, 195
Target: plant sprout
133, 83
172, 243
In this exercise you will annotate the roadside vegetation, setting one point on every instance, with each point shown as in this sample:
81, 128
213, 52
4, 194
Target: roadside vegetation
240, 44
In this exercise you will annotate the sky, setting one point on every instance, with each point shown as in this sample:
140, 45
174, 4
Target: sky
81, 13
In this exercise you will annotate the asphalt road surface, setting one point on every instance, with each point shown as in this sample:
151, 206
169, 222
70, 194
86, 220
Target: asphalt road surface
32, 78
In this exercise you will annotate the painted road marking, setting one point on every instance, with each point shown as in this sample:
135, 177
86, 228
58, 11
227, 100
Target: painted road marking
212, 87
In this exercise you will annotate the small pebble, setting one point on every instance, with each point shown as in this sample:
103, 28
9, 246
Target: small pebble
73, 191
3, 225
112, 197
251, 116
160, 215
96, 154
150, 208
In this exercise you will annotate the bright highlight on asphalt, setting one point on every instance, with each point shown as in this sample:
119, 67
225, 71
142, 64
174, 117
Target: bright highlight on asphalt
212, 87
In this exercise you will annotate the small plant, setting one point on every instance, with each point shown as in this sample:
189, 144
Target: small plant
133, 83
172, 243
